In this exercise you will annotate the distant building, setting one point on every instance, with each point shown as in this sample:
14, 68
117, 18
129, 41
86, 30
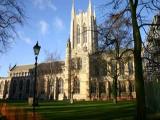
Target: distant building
152, 51
152, 66
82, 76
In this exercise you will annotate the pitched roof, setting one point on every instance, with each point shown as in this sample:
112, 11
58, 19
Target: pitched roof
31, 66
22, 67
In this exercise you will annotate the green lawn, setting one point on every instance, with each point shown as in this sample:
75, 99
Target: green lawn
82, 110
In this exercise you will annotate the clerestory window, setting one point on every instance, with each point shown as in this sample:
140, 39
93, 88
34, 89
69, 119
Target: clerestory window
78, 34
76, 86
84, 33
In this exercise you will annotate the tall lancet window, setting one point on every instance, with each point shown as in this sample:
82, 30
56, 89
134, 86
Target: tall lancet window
78, 34
84, 33
76, 86
60, 86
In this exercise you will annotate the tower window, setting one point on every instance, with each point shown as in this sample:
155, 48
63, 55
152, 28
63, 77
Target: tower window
84, 33
76, 86
78, 34
60, 86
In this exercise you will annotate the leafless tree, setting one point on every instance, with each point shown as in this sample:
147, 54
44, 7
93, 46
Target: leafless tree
51, 67
116, 40
11, 14
75, 67
136, 11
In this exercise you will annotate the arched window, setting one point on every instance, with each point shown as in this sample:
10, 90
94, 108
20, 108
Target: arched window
20, 84
113, 68
78, 34
26, 74
102, 87
14, 86
60, 86
133, 86
127, 85
123, 88
76, 86
79, 63
121, 68
84, 33
27, 86
108, 88
130, 67
93, 87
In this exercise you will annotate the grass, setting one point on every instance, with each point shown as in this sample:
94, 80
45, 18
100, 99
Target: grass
82, 110
96, 110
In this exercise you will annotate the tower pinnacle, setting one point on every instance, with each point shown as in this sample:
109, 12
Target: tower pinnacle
73, 9
90, 7
73, 5
94, 12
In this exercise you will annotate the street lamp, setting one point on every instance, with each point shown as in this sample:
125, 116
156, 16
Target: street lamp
36, 49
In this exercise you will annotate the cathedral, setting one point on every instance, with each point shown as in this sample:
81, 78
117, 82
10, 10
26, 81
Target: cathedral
83, 75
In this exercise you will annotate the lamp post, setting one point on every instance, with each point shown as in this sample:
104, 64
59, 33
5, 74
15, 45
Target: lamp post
36, 49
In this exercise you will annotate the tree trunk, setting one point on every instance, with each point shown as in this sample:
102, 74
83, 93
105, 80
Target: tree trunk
115, 78
139, 81
115, 90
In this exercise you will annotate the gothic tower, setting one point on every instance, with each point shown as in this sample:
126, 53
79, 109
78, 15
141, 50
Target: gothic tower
83, 27
82, 43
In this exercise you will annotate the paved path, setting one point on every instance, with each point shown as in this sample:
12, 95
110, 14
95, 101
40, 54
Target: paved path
13, 113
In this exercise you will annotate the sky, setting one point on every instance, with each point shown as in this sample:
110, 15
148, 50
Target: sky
48, 22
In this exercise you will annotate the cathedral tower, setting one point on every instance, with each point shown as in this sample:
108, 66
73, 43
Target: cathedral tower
82, 43
83, 30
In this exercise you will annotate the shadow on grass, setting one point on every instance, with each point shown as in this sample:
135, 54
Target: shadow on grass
96, 110
92, 110
89, 111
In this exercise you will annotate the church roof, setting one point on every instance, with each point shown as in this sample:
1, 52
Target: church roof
22, 67
31, 66
3, 78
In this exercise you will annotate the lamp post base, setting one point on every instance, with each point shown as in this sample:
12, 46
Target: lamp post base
35, 103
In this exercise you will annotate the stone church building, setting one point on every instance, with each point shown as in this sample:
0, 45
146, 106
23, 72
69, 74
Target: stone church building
82, 76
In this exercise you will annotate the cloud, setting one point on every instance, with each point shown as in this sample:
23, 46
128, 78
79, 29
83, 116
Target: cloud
58, 23
28, 40
43, 27
43, 4
24, 38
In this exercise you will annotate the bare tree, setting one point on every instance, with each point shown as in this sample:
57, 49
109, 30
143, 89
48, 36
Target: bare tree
98, 70
48, 72
116, 40
135, 10
11, 14
54, 66
75, 66
152, 66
